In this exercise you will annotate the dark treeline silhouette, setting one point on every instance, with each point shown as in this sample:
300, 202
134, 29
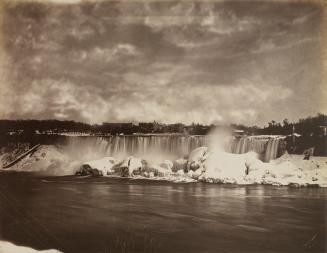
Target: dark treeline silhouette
27, 127
310, 126
307, 133
55, 126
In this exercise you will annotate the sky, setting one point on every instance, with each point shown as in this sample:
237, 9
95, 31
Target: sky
208, 62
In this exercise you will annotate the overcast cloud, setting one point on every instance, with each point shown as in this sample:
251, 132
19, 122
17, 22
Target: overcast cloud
170, 61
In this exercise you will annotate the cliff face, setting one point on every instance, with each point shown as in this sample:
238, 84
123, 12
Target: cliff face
46, 159
11, 151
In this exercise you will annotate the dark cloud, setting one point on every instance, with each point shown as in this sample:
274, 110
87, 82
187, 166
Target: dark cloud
234, 61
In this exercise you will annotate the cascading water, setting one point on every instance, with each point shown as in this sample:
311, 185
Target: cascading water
248, 143
267, 146
172, 146
273, 147
169, 146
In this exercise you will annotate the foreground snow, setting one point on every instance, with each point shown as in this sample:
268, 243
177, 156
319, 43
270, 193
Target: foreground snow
203, 164
8, 247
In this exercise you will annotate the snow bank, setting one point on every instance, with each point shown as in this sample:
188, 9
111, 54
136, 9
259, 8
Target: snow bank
216, 166
105, 164
203, 164
313, 171
223, 167
8, 247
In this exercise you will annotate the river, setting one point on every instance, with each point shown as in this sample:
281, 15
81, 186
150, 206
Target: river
123, 215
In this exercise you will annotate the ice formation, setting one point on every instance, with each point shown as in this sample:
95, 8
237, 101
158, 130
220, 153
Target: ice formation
105, 164
206, 164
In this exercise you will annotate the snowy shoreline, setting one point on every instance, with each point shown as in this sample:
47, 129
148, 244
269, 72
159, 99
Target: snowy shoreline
203, 165
8, 247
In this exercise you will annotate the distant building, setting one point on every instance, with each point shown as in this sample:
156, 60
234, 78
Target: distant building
15, 132
237, 132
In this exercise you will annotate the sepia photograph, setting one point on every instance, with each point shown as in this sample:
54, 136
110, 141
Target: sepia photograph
158, 126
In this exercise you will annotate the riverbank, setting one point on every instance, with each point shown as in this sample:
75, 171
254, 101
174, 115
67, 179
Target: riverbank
8, 247
202, 164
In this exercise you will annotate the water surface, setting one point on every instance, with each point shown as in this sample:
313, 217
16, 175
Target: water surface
123, 215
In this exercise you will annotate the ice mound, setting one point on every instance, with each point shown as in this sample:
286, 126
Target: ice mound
141, 168
203, 164
197, 157
215, 166
310, 172
8, 247
221, 167
105, 164
179, 164
224, 167
128, 166
137, 168
167, 164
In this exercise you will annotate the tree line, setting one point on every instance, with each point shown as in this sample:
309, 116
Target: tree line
309, 126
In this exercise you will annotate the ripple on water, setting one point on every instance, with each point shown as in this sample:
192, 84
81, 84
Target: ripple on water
253, 228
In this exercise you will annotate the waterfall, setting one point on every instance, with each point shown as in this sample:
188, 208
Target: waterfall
249, 143
171, 146
272, 149
268, 146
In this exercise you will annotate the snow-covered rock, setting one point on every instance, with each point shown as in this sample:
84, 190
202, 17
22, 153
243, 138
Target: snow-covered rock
151, 175
105, 165
197, 157
129, 166
167, 164
180, 172
190, 173
198, 173
159, 170
195, 174
180, 164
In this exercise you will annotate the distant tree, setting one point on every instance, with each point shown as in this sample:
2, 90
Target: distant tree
285, 123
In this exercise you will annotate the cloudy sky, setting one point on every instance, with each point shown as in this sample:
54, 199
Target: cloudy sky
169, 61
